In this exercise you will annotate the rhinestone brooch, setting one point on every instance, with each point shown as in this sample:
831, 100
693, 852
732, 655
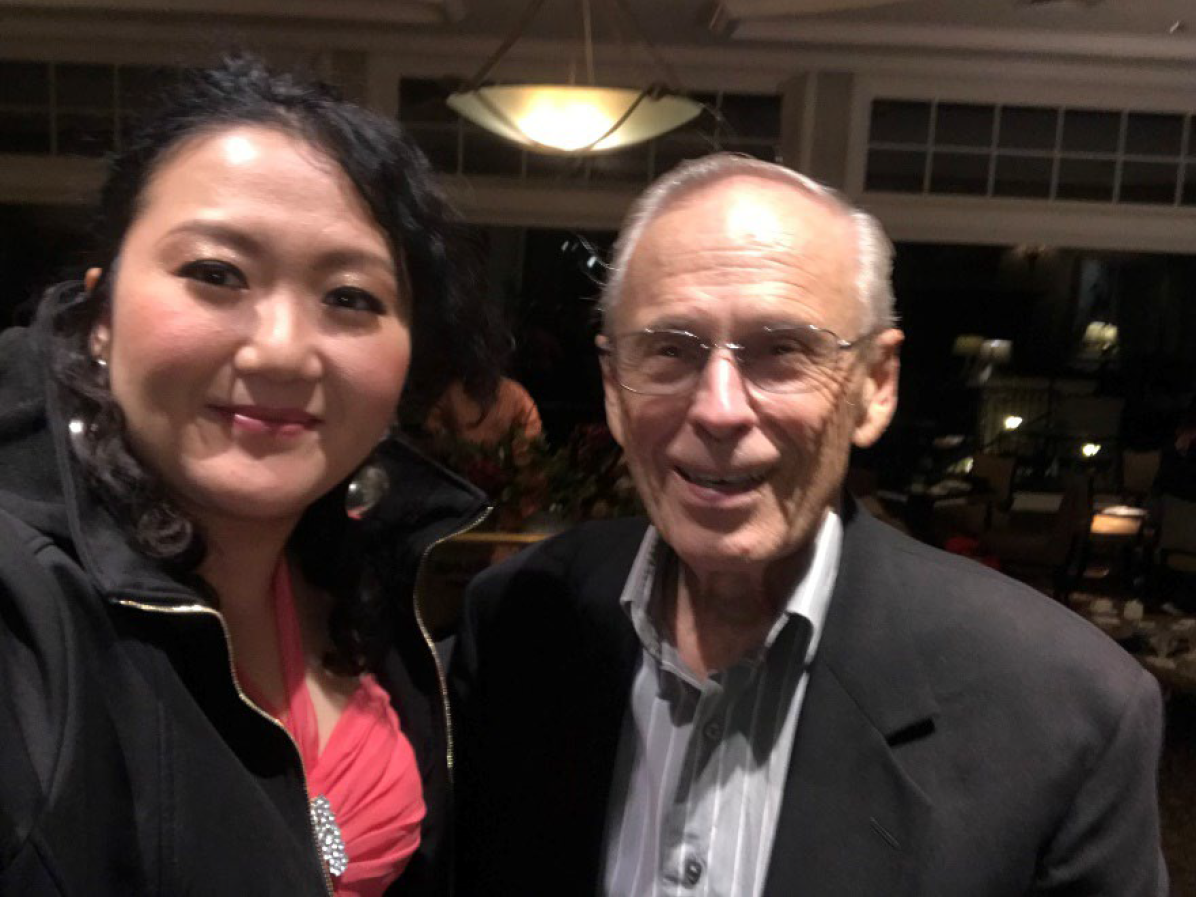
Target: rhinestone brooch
328, 836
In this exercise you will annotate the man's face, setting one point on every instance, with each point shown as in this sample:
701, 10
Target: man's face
737, 479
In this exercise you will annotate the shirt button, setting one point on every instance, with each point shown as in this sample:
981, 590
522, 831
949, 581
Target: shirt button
713, 731
693, 871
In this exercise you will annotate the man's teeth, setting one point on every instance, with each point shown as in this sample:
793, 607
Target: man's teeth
746, 479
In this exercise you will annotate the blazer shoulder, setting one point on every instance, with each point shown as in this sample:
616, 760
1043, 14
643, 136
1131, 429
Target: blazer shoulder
600, 550
965, 614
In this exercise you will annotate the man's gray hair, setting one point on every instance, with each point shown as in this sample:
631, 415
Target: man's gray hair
874, 251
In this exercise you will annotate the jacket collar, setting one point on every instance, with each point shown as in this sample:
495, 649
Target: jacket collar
852, 821
43, 484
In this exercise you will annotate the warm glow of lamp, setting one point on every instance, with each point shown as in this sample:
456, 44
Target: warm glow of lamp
1090, 449
576, 119
1012, 422
572, 118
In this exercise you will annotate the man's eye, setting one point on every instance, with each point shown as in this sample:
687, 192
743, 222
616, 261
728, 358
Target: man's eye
214, 273
786, 346
354, 299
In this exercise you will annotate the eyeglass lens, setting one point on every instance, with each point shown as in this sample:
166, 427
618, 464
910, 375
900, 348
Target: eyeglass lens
775, 359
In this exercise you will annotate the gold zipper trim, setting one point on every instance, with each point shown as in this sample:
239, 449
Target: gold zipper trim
228, 644
427, 636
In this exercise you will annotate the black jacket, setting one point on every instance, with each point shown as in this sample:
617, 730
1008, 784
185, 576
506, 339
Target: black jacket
129, 761
961, 734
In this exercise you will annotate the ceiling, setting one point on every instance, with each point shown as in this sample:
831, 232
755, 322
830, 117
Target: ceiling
1146, 29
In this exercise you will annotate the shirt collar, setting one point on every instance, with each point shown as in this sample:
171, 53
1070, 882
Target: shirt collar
810, 598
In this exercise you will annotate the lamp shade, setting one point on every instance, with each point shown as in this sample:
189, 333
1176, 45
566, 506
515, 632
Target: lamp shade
573, 119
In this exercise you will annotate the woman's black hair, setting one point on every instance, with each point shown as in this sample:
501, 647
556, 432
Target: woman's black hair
451, 327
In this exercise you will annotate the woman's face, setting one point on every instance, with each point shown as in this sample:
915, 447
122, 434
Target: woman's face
259, 332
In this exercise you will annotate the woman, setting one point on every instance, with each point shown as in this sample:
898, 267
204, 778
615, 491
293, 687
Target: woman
215, 676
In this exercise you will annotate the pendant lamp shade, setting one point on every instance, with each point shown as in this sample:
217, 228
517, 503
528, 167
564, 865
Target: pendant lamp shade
573, 119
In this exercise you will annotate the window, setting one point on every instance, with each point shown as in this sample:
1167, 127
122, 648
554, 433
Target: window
1031, 152
744, 123
52, 108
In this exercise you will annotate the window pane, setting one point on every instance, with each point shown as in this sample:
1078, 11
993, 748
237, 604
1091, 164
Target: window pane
1188, 197
1090, 132
1028, 176
628, 165
752, 116
486, 153
959, 173
1154, 135
422, 100
84, 135
673, 149
896, 121
84, 87
1023, 176
439, 144
895, 170
1085, 179
141, 86
1152, 182
959, 124
25, 83
25, 132
1028, 127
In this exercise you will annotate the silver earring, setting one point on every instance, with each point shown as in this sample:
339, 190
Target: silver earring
101, 363
368, 487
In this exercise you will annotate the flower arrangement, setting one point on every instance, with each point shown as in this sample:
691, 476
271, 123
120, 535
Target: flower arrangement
532, 483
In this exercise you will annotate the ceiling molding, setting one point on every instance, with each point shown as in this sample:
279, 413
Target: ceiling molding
756, 9
382, 12
957, 38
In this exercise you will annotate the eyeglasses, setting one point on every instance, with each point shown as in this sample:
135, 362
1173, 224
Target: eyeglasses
790, 359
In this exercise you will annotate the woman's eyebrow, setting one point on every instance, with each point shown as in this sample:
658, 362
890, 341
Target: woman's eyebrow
339, 259
234, 237
333, 260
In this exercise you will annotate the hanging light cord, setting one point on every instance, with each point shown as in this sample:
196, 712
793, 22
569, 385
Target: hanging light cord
517, 32
672, 82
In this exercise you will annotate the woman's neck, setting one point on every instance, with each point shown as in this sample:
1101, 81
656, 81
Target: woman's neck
240, 564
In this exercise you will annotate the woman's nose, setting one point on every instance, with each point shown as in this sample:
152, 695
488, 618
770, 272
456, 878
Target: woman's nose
282, 341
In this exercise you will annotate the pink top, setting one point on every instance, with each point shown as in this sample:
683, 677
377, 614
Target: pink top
366, 771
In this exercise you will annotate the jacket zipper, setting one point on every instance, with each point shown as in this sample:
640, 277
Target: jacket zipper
427, 637
207, 611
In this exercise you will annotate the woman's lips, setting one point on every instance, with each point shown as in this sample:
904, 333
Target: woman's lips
269, 421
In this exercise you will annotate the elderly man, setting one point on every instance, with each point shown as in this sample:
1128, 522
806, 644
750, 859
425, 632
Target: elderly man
764, 691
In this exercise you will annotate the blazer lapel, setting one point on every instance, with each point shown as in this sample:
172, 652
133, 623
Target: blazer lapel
852, 821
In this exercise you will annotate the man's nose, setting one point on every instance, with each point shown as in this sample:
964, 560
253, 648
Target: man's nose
721, 403
282, 339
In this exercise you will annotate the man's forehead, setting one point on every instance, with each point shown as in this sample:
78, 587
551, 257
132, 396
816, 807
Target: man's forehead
749, 209
747, 231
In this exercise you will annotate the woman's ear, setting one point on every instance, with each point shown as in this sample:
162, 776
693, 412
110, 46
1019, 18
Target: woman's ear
101, 333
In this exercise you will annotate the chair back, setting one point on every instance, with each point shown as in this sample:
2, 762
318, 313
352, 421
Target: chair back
1177, 525
997, 472
1075, 509
1138, 470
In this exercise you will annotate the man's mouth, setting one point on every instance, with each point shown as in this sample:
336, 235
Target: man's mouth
727, 482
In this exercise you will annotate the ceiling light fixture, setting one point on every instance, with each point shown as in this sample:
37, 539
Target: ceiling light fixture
575, 119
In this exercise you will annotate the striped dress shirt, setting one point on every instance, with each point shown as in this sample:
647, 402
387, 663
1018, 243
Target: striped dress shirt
701, 765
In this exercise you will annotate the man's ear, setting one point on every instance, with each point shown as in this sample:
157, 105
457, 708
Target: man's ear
878, 393
610, 390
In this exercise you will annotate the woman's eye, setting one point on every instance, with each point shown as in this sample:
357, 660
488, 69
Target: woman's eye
214, 273
355, 299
